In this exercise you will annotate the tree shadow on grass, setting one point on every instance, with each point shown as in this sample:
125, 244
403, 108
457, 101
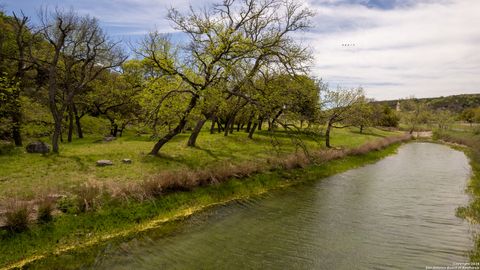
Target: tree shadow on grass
188, 161
207, 151
369, 133
168, 159
81, 165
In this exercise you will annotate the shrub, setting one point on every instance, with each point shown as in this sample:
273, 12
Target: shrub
181, 180
6, 147
45, 209
151, 188
476, 130
298, 160
17, 217
95, 125
87, 197
222, 172
67, 205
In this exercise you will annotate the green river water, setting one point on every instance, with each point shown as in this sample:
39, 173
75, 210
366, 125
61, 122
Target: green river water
398, 213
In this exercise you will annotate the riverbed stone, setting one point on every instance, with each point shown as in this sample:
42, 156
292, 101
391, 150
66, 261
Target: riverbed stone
109, 139
104, 162
38, 147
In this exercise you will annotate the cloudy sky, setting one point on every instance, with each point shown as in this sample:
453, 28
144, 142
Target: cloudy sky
392, 48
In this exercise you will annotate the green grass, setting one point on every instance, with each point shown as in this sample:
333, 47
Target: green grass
128, 220
23, 174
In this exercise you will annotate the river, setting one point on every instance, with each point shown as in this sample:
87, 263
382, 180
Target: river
398, 213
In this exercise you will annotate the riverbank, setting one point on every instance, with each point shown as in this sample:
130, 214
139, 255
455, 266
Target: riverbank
26, 175
469, 143
73, 233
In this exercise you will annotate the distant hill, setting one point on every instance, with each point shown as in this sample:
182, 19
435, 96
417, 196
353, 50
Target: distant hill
455, 103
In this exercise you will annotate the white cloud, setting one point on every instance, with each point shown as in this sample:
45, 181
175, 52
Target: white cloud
424, 50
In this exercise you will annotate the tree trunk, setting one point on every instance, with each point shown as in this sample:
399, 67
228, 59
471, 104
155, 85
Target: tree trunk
154, 128
17, 136
177, 129
361, 128
220, 127
232, 125
113, 128
252, 130
275, 119
56, 136
20, 75
122, 128
249, 123
260, 123
77, 122
229, 125
56, 114
70, 123
57, 132
192, 140
212, 127
327, 135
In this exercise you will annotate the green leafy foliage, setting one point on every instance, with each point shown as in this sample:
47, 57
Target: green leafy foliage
8, 104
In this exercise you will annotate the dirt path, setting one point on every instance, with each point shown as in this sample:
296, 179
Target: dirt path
422, 134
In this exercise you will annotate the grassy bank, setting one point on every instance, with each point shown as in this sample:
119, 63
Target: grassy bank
122, 219
22, 174
470, 212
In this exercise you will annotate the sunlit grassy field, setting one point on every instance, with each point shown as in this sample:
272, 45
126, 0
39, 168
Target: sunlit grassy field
22, 174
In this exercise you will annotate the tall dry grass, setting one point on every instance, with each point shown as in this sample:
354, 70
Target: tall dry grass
378, 145
45, 208
16, 216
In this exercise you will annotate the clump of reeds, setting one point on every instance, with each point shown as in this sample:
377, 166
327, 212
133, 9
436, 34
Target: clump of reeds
294, 161
377, 145
328, 154
149, 188
17, 216
45, 208
179, 180
87, 196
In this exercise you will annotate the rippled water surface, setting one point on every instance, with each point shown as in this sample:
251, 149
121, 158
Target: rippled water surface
398, 213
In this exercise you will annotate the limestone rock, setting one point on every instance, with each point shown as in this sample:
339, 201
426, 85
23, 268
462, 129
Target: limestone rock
104, 162
109, 139
38, 147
